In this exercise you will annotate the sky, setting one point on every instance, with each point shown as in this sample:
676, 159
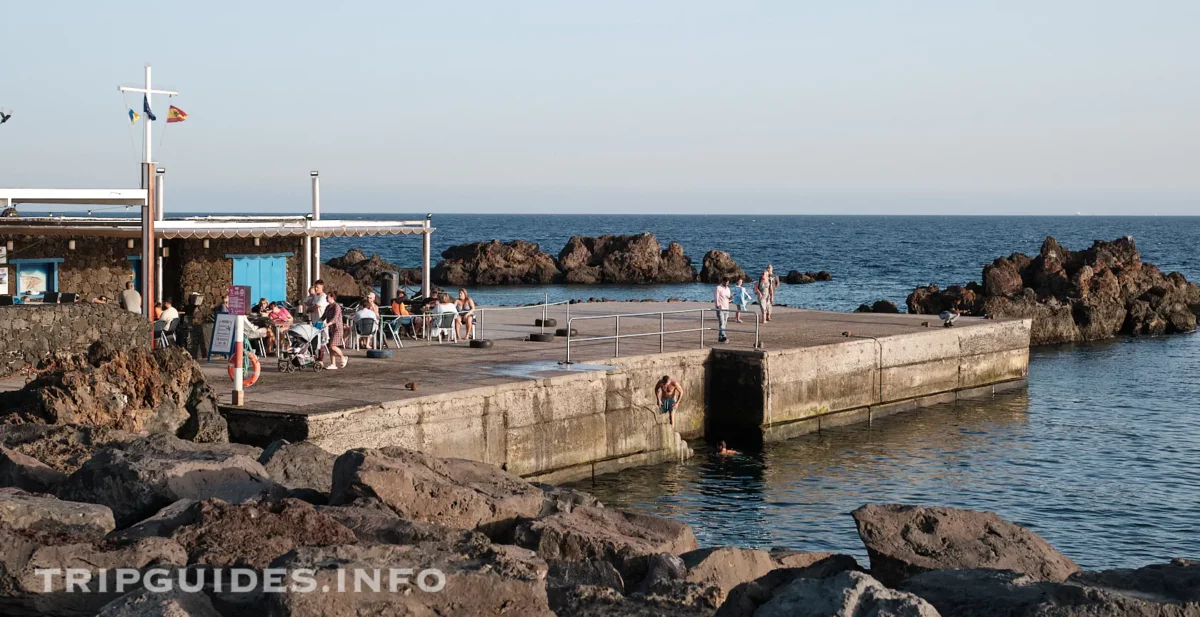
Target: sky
788, 107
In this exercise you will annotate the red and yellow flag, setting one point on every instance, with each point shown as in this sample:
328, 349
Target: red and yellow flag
175, 114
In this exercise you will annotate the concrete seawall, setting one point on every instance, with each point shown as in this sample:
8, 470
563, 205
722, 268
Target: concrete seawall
785, 393
554, 423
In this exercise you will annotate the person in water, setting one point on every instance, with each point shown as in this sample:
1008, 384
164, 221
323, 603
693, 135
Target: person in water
723, 451
668, 394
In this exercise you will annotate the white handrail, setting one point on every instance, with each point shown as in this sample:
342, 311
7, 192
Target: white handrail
662, 331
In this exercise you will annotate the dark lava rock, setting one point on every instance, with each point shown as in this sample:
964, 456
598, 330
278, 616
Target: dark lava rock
27, 473
880, 306
368, 271
299, 466
454, 492
171, 603
906, 540
847, 593
718, 266
45, 514
61, 447
140, 478
135, 390
796, 277
496, 263
744, 599
638, 259
1085, 295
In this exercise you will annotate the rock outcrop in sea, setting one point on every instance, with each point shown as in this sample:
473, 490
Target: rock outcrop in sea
637, 260
496, 263
1085, 295
718, 266
796, 277
368, 271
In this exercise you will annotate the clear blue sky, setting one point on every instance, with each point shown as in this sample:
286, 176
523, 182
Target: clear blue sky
667, 106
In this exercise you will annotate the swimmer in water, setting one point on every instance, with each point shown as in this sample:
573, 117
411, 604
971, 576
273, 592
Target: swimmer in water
723, 451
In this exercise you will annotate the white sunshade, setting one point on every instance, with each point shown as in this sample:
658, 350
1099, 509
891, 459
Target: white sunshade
224, 227
78, 197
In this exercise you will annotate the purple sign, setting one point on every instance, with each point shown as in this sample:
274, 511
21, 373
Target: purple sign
239, 299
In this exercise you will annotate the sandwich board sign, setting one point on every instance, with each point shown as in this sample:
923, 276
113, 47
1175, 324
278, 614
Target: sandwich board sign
222, 335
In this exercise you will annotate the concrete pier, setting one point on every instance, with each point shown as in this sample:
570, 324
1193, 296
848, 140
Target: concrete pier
516, 406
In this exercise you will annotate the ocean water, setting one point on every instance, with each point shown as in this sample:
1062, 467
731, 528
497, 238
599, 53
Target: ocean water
1101, 455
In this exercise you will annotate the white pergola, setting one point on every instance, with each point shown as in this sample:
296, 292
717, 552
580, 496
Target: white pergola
207, 227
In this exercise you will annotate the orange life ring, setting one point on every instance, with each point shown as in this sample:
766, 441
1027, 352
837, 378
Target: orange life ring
252, 371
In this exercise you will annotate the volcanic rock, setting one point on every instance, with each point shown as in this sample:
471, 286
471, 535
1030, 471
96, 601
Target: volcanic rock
718, 266
140, 478
906, 540
496, 582
22, 553
252, 535
796, 277
726, 567
979, 592
564, 576
61, 447
557, 499
603, 601
135, 390
624, 539
171, 603
744, 599
454, 492
1085, 295
368, 271
41, 513
496, 263
637, 259
299, 466
880, 306
342, 282
848, 594
1177, 581
28, 473
380, 525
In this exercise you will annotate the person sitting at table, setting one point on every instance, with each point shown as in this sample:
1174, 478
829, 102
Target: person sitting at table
368, 313
262, 308
158, 310
405, 318
466, 314
444, 305
279, 315
169, 313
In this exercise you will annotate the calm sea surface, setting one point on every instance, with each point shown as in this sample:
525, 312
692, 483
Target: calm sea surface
1101, 455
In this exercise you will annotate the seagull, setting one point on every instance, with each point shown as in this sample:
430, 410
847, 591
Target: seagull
4, 117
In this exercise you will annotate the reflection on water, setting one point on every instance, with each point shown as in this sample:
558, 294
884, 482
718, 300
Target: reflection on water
1100, 456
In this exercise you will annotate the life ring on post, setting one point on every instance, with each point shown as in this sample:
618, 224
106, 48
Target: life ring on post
252, 371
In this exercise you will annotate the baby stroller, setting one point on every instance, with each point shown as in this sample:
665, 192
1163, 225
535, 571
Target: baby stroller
301, 348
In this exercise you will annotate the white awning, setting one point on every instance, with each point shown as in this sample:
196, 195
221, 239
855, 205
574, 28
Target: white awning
217, 227
78, 197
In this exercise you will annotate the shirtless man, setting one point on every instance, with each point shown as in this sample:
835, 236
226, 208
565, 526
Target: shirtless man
724, 451
668, 394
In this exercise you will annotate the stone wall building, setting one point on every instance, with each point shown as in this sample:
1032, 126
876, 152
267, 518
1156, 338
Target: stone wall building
95, 258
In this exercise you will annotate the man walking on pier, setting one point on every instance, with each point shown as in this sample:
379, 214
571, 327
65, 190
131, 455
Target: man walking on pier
722, 298
668, 394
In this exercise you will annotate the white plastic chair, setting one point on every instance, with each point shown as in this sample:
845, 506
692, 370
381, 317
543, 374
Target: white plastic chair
443, 324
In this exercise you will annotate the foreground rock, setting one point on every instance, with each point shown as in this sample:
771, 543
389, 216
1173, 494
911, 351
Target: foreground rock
637, 260
496, 263
23, 511
23, 553
624, 539
1084, 295
1157, 590
174, 603
135, 390
796, 277
726, 567
848, 594
252, 535
745, 599
502, 581
719, 266
61, 447
906, 540
27, 473
139, 478
454, 492
304, 468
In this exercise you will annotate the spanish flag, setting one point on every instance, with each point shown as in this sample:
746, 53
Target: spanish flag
175, 114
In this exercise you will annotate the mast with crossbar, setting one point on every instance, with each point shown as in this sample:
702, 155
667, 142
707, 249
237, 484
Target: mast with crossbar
146, 123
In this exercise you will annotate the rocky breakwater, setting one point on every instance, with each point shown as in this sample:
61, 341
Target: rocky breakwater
481, 542
132, 390
366, 272
1085, 295
637, 259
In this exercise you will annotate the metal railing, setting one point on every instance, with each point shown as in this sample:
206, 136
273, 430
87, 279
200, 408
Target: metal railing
662, 332
426, 318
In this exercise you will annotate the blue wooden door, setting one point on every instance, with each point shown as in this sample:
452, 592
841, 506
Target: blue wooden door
265, 276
